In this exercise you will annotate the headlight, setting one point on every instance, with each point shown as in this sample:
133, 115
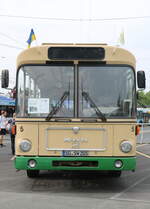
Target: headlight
25, 145
118, 163
126, 146
32, 163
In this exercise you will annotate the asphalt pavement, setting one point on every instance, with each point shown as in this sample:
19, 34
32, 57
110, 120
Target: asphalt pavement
74, 190
144, 136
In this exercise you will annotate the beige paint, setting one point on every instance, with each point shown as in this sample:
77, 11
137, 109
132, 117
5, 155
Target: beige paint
38, 55
124, 132
91, 139
27, 131
95, 138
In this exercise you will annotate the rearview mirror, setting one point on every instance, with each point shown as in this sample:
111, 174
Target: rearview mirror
5, 78
141, 79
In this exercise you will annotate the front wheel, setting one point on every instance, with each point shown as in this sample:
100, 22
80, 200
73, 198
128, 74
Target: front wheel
115, 173
33, 173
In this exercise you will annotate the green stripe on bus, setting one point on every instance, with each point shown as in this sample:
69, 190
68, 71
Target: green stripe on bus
95, 163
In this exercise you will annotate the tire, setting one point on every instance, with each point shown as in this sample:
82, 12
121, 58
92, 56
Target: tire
115, 173
32, 173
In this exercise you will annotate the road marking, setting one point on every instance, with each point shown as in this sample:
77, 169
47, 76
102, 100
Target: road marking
145, 131
140, 145
13, 157
141, 153
116, 196
132, 200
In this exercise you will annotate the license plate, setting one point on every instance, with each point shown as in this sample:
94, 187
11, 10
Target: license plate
74, 153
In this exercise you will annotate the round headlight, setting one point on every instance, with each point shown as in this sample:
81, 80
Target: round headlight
126, 146
118, 163
25, 145
32, 163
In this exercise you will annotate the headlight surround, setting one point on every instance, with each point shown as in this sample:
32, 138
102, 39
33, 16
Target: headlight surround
126, 146
25, 145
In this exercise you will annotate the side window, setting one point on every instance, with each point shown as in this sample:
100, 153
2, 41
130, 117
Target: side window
20, 106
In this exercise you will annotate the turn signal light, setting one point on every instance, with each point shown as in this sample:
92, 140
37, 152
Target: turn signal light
137, 130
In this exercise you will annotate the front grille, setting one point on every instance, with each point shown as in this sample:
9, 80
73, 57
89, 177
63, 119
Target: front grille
57, 163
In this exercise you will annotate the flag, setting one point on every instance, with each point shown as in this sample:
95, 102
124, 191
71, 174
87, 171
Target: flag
121, 40
31, 38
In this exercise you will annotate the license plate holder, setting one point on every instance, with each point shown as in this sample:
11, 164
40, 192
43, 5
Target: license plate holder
74, 153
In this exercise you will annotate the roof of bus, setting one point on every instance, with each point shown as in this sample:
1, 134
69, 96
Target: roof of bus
39, 54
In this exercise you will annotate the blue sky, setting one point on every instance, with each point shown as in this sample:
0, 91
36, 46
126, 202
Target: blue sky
15, 26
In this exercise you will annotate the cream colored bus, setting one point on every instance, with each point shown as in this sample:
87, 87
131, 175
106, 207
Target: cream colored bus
76, 108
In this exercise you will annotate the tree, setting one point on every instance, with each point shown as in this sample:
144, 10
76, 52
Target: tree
143, 99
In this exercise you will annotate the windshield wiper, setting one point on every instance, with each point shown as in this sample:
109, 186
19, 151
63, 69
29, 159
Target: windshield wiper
57, 106
98, 112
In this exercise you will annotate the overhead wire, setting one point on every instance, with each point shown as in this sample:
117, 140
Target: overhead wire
63, 19
75, 19
9, 37
10, 46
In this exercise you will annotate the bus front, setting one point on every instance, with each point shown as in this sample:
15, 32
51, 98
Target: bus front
76, 109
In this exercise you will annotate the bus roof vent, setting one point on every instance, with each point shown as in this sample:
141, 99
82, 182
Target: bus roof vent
75, 44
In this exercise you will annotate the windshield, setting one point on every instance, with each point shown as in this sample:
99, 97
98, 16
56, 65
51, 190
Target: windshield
40, 89
76, 91
110, 88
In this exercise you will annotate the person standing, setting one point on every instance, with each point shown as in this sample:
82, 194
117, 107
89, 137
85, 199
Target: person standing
3, 125
12, 133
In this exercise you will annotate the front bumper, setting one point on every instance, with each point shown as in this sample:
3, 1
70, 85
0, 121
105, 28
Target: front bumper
75, 163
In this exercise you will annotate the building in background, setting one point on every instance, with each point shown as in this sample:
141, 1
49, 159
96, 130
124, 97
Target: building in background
7, 104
